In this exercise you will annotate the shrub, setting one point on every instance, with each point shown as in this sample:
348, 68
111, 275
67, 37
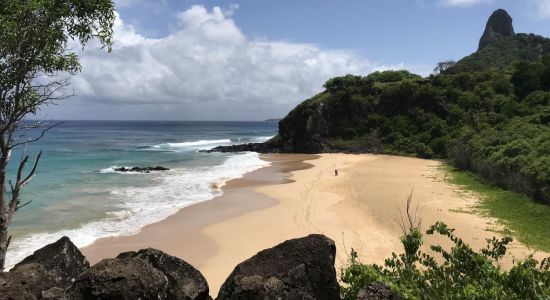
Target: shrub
462, 274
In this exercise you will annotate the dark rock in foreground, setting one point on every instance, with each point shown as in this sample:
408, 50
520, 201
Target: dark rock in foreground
62, 260
34, 277
296, 269
27, 282
11, 287
184, 281
498, 26
120, 278
377, 291
54, 293
141, 170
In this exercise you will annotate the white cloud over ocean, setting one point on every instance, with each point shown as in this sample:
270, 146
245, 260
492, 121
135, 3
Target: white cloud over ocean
206, 69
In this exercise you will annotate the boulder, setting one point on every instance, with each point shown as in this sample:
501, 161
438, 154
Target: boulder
34, 278
377, 291
498, 26
120, 278
184, 281
300, 268
12, 288
62, 260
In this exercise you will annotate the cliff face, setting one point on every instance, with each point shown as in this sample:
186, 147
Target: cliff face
498, 26
302, 129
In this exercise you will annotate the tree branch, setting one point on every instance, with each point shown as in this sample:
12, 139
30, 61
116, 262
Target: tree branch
37, 138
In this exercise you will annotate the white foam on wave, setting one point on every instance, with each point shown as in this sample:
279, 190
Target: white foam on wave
190, 145
139, 206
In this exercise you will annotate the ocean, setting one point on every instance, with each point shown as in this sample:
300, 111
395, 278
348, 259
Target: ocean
77, 192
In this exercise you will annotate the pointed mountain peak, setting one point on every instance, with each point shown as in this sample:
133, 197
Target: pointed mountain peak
498, 26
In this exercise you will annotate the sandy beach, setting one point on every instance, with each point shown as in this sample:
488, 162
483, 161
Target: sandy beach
299, 195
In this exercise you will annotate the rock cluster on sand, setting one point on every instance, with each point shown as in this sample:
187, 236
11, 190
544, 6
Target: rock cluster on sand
301, 268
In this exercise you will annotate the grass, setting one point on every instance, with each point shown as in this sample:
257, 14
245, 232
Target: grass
528, 221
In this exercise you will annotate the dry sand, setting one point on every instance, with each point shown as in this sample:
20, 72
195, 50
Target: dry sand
358, 209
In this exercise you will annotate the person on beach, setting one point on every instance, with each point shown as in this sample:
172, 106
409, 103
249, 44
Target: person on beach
335, 172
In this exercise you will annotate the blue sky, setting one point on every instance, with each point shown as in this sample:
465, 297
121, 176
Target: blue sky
418, 33
257, 59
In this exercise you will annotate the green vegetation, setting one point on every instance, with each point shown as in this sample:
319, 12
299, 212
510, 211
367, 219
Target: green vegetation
461, 273
528, 220
500, 53
494, 122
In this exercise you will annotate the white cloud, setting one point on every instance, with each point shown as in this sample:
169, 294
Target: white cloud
462, 2
207, 69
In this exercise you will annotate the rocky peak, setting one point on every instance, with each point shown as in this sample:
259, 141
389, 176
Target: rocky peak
498, 26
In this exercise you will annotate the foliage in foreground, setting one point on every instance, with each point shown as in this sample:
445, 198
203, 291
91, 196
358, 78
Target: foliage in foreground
462, 273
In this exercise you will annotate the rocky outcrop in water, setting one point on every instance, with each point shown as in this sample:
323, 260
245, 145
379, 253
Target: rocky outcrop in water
141, 169
271, 146
296, 269
498, 26
254, 147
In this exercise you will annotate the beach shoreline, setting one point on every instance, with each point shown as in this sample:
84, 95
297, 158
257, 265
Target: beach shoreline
193, 218
299, 195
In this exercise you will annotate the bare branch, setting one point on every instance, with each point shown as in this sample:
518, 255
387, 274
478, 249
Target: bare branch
20, 170
33, 170
409, 219
23, 205
37, 138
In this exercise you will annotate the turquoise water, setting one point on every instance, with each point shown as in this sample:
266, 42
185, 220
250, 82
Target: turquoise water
77, 192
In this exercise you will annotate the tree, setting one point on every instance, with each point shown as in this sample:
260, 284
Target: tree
444, 66
527, 78
35, 37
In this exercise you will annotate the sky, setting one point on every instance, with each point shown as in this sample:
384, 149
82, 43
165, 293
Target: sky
258, 59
